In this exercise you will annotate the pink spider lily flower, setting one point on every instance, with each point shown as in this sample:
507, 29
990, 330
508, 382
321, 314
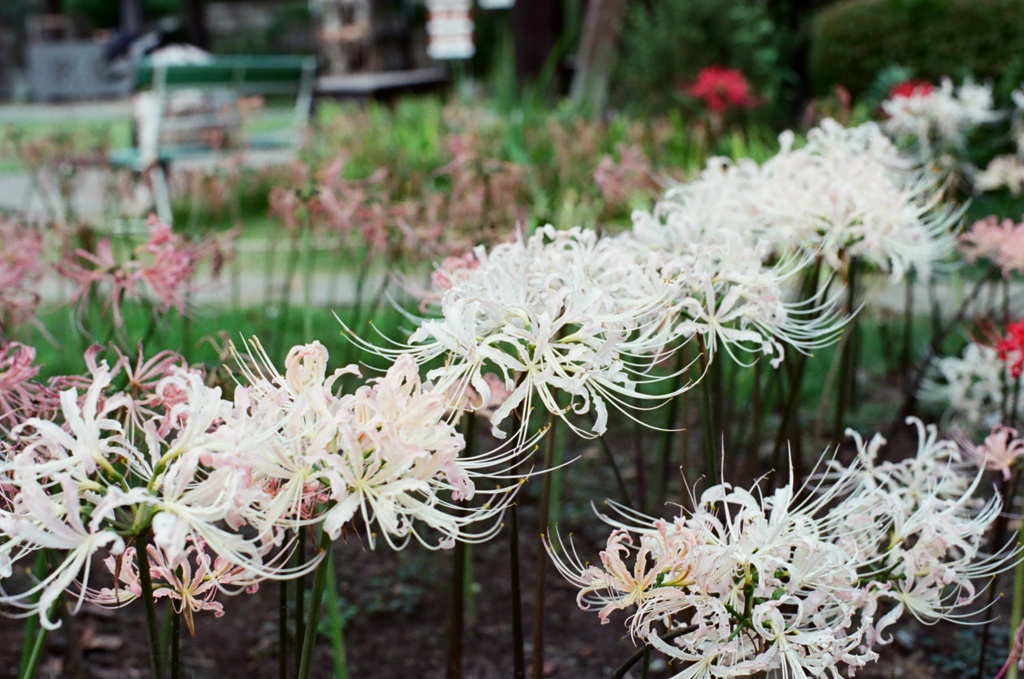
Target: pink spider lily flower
191, 583
1002, 242
621, 180
160, 270
21, 252
999, 451
20, 394
89, 271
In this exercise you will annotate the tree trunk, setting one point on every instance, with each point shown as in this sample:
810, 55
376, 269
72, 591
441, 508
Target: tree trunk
538, 24
195, 21
596, 54
131, 16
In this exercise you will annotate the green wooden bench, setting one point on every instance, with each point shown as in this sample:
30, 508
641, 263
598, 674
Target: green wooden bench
194, 111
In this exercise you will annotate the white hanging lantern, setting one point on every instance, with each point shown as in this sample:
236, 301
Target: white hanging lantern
450, 29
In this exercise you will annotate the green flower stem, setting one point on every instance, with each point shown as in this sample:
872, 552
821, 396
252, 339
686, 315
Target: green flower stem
639, 655
282, 630
707, 414
149, 604
175, 645
847, 365
30, 663
457, 601
33, 630
336, 624
518, 654
453, 667
1007, 490
614, 466
323, 571
308, 257
545, 527
908, 327
659, 490
1016, 607
300, 586
285, 303
268, 271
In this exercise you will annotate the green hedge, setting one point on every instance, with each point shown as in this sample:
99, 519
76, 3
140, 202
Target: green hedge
854, 40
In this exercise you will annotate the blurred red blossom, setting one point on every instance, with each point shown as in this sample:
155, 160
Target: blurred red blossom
1011, 348
911, 88
721, 88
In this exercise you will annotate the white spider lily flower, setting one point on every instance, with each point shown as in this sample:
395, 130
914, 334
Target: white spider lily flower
91, 438
757, 580
48, 519
386, 454
924, 548
722, 291
536, 312
849, 193
939, 119
969, 388
773, 582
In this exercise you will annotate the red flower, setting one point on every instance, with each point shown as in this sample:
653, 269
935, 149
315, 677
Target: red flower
911, 88
720, 88
1011, 348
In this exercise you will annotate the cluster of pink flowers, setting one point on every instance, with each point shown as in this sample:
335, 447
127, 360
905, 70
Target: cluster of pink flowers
479, 199
159, 271
21, 396
1001, 241
621, 180
21, 251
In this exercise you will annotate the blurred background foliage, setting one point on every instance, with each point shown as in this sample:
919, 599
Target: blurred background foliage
853, 41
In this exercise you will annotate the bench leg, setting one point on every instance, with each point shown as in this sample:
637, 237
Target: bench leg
161, 193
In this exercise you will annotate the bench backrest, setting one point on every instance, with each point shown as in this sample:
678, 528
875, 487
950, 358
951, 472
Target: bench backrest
289, 76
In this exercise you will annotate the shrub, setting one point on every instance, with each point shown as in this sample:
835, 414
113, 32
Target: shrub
665, 44
854, 40
107, 13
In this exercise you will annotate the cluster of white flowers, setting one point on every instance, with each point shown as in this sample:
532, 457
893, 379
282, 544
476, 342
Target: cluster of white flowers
561, 312
723, 291
847, 193
804, 581
222, 486
1007, 171
970, 387
939, 119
